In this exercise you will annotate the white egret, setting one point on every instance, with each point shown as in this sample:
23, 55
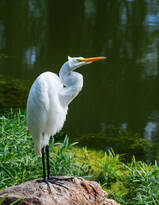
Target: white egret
47, 105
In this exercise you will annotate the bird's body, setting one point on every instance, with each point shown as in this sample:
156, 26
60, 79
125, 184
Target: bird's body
45, 111
48, 101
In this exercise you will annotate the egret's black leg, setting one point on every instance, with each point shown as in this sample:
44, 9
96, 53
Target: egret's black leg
48, 169
44, 170
53, 180
48, 163
43, 161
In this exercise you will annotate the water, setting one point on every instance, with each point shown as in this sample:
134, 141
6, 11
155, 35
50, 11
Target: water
37, 36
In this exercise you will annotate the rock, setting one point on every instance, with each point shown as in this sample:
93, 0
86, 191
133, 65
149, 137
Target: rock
77, 191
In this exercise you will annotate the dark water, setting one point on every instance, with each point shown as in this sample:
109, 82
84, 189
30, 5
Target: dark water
37, 36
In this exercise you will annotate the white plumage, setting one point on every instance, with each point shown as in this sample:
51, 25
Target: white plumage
47, 106
48, 101
45, 114
49, 98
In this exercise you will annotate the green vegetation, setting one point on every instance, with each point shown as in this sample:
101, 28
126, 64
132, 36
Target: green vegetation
121, 140
128, 183
10, 88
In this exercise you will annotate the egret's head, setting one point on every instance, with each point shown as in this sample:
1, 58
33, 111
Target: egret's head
80, 61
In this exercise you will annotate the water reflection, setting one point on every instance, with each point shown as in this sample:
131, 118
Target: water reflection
2, 42
35, 8
30, 55
124, 125
39, 35
150, 129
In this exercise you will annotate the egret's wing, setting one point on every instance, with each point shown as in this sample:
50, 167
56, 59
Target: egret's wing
37, 106
42, 101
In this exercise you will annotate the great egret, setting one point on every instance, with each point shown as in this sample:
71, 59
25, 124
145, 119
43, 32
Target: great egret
47, 105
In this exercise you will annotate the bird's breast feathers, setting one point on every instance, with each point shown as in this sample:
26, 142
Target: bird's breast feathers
44, 109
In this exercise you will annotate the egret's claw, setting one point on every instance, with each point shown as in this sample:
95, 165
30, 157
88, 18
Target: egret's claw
60, 178
55, 181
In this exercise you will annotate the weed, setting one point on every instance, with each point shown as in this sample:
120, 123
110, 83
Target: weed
142, 183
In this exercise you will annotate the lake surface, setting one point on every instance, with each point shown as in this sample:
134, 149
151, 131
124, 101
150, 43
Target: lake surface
123, 91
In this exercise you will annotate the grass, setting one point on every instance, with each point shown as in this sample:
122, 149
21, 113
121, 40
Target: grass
144, 180
128, 183
19, 163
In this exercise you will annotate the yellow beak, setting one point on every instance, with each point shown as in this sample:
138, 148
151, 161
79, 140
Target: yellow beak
92, 59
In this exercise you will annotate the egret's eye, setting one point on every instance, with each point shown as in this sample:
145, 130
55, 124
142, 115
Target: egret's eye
78, 60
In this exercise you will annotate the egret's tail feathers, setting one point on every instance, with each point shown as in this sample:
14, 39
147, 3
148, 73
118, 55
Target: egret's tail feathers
37, 150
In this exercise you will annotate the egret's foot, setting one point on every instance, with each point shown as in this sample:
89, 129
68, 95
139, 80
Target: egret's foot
46, 181
61, 178
55, 181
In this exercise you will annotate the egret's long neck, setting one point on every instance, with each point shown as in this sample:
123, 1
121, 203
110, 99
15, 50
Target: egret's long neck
73, 83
